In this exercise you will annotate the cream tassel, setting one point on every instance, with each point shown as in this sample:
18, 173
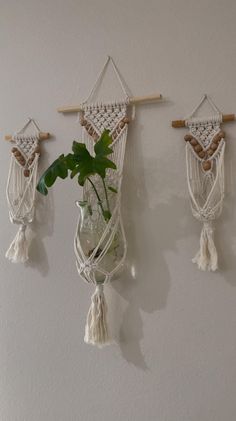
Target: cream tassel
207, 258
96, 329
19, 248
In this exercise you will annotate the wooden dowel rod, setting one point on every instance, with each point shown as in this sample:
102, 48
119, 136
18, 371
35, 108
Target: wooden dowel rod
181, 123
42, 136
133, 100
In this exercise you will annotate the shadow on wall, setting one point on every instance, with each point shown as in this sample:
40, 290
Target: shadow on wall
145, 282
151, 231
42, 226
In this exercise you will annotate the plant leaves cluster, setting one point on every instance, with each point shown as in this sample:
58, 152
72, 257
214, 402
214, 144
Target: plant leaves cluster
81, 163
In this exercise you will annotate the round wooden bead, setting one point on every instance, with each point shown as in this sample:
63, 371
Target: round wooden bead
206, 165
83, 122
26, 173
202, 154
194, 142
188, 137
22, 161
126, 120
222, 134
213, 146
17, 153
198, 148
14, 150
210, 151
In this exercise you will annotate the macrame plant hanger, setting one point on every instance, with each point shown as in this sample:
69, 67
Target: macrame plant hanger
94, 119
205, 147
94, 266
21, 187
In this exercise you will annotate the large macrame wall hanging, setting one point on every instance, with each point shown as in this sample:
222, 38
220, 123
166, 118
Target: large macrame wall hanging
100, 246
205, 147
21, 185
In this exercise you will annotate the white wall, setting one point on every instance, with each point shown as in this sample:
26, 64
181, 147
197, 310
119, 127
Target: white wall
176, 360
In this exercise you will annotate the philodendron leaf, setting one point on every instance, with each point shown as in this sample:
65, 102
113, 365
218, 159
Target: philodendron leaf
101, 164
113, 189
57, 169
101, 147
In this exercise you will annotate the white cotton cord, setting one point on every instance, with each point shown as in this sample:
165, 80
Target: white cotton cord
18, 251
96, 329
101, 76
190, 119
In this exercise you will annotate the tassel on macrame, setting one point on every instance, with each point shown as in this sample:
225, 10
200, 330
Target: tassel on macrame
206, 258
18, 251
96, 329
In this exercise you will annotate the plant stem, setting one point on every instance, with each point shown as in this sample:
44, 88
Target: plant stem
106, 195
96, 192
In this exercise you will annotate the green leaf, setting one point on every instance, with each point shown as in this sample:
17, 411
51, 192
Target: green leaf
101, 164
113, 189
101, 147
57, 169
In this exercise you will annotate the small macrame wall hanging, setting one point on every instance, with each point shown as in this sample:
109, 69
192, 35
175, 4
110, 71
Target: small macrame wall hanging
205, 147
21, 185
100, 243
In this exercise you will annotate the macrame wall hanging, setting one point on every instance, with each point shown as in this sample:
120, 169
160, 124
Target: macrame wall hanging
205, 147
99, 244
21, 184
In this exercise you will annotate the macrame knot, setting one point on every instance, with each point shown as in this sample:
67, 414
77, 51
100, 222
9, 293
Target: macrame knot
206, 258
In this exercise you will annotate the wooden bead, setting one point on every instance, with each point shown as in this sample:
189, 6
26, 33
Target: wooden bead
17, 153
126, 120
14, 150
198, 148
26, 173
216, 139
222, 134
122, 124
194, 142
22, 161
202, 154
37, 149
188, 137
206, 165
213, 146
210, 151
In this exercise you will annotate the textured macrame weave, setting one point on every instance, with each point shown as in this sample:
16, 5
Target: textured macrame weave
205, 146
94, 118
20, 191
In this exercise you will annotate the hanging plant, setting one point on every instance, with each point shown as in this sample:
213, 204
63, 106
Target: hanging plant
82, 164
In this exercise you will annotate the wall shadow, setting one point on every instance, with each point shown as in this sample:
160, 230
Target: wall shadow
150, 232
42, 225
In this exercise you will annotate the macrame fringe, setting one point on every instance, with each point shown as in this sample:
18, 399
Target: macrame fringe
96, 329
19, 248
207, 258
